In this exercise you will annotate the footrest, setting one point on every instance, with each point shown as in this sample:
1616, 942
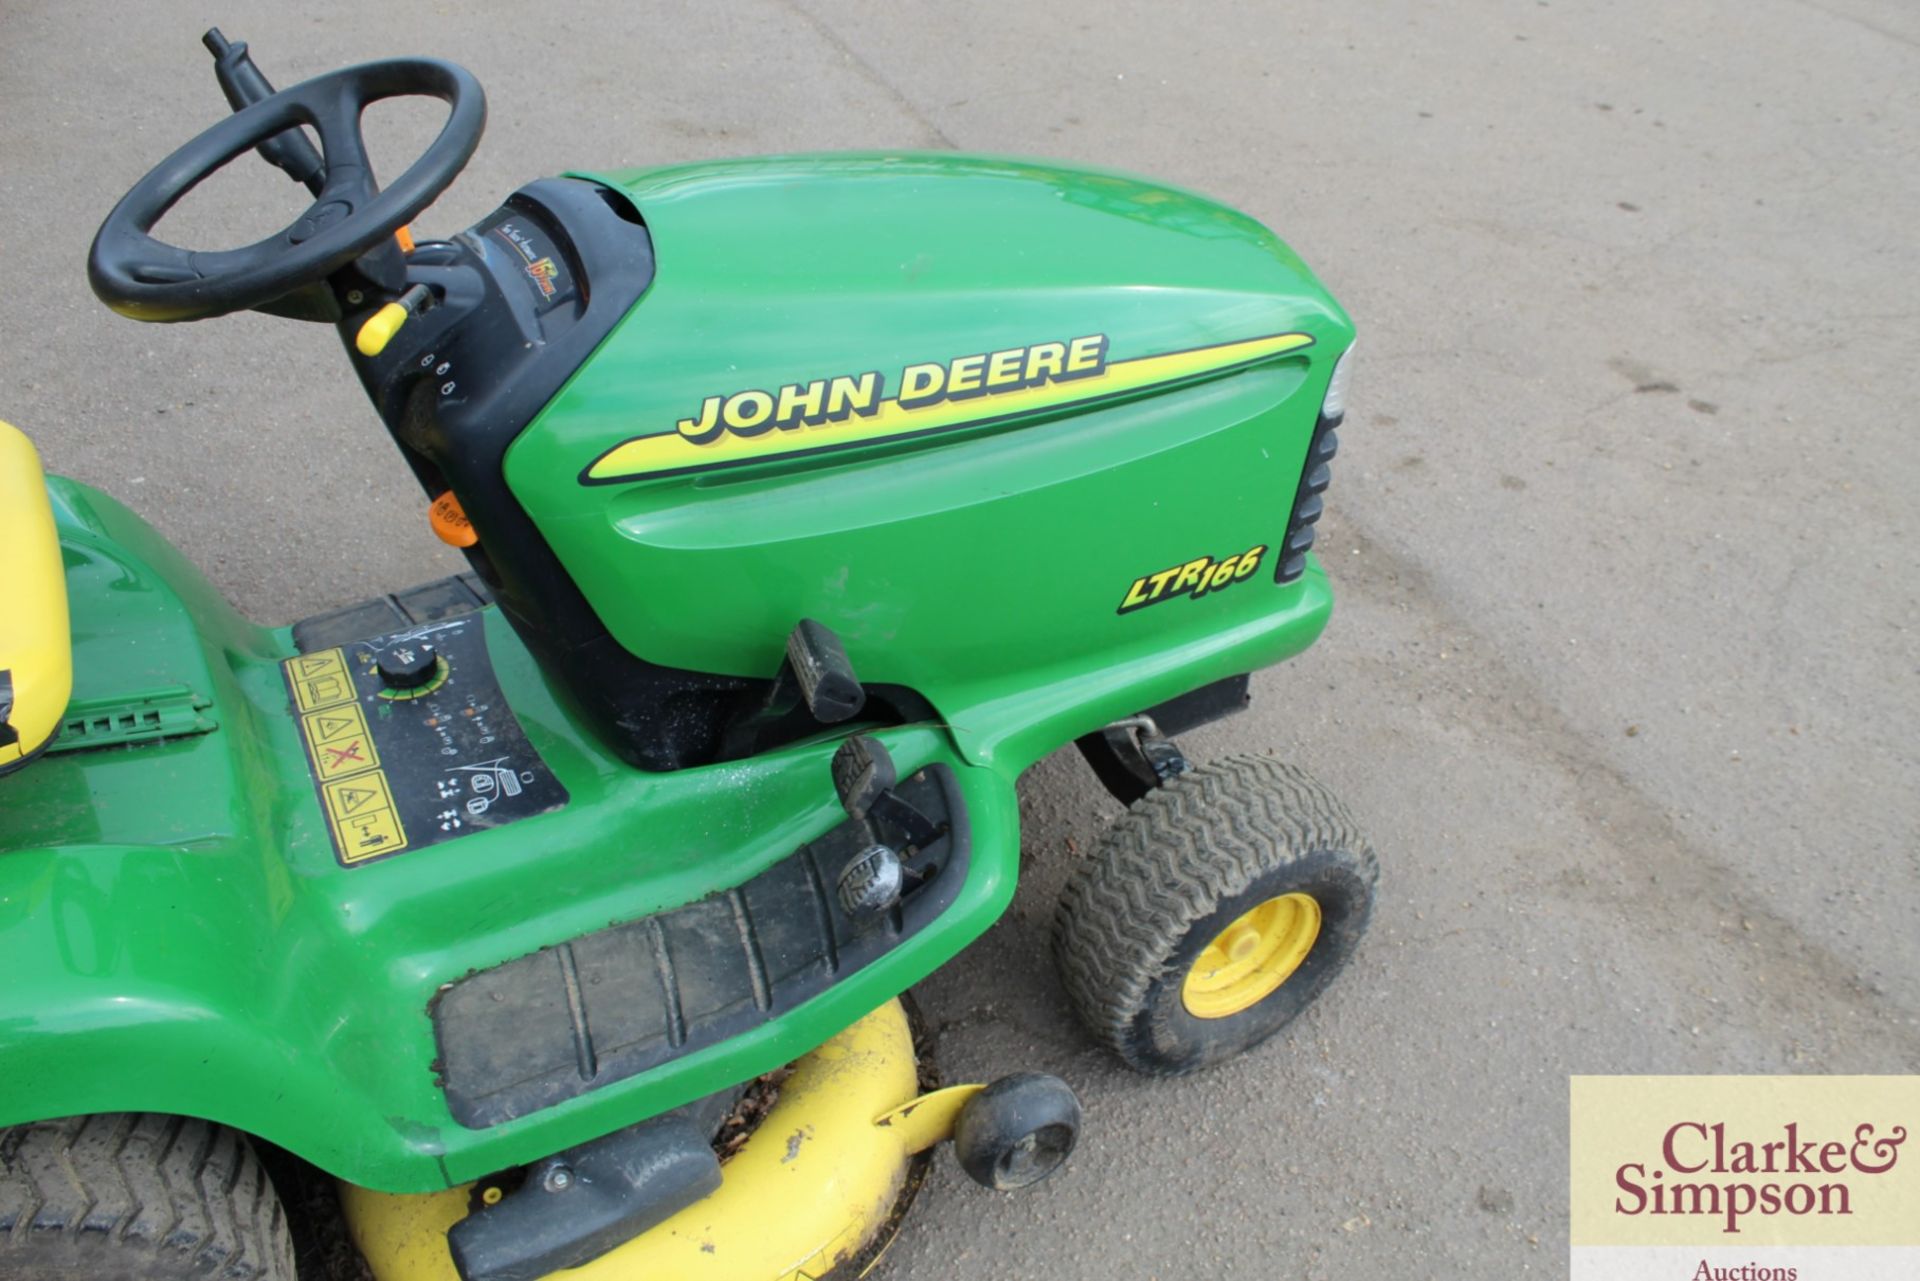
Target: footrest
619, 1001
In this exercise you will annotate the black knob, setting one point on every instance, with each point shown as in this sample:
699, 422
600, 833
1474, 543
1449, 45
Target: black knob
407, 666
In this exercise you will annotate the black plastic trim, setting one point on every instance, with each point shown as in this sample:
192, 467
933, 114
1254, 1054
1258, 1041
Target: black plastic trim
1316, 473
611, 1004
460, 383
394, 612
468, 378
577, 1205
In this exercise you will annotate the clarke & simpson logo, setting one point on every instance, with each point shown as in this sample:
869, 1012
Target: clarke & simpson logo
1704, 1172
1707, 1178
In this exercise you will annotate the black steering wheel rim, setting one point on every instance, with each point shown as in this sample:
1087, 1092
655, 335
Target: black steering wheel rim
140, 276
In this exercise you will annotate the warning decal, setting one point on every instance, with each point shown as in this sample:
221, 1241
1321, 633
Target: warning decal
360, 811
402, 769
319, 680
338, 742
353, 790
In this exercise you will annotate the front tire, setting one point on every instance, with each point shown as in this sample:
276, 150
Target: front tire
133, 1196
1213, 913
1017, 1131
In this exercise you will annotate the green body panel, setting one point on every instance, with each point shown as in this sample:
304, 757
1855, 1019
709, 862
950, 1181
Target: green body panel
982, 567
176, 933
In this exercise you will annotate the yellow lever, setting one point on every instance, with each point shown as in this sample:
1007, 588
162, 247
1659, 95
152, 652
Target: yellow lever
380, 328
382, 325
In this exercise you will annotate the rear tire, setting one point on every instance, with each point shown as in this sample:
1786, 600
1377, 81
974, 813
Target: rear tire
1238, 840
134, 1196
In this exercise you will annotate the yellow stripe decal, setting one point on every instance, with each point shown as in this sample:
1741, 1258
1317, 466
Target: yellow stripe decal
754, 425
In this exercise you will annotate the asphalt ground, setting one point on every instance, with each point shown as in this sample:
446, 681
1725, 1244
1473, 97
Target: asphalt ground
1622, 678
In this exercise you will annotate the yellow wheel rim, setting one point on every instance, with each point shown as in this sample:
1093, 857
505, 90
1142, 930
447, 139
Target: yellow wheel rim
1248, 961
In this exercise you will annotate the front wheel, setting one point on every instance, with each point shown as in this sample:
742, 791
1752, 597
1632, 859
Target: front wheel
1215, 911
1017, 1131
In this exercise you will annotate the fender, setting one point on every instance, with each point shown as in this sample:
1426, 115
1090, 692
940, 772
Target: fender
179, 937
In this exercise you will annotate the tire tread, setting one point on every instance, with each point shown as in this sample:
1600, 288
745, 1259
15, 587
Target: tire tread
1204, 836
126, 1193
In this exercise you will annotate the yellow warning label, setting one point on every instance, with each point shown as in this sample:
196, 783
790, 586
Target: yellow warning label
361, 812
338, 740
320, 680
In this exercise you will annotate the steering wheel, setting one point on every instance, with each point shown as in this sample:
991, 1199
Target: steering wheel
148, 279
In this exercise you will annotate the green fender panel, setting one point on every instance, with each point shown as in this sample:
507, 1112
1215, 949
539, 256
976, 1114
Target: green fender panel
178, 936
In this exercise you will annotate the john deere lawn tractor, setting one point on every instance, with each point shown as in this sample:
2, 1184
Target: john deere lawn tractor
553, 916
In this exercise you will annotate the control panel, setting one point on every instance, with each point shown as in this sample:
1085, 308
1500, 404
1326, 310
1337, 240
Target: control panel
411, 743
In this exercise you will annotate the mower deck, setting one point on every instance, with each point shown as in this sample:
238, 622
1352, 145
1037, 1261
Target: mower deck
819, 1185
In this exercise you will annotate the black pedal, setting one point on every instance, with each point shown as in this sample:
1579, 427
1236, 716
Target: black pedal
815, 686
827, 683
864, 777
862, 773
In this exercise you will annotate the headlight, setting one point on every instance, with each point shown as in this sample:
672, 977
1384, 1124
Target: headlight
1335, 404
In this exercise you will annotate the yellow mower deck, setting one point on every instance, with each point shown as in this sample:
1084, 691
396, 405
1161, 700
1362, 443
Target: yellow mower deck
812, 1190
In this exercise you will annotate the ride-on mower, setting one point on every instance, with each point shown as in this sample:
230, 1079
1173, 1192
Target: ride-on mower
808, 501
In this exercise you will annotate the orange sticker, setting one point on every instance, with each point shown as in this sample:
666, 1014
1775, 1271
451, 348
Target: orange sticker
449, 521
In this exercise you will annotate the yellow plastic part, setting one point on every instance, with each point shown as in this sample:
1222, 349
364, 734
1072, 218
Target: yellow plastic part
36, 650
930, 1118
380, 328
1249, 960
814, 1184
